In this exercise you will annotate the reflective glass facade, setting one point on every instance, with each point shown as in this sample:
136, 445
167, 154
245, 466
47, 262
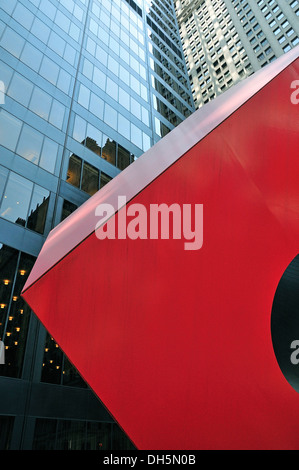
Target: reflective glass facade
86, 86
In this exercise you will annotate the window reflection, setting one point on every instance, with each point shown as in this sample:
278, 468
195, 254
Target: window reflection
16, 199
49, 155
20, 89
90, 179
83, 175
30, 144
38, 209
103, 145
123, 158
40, 103
74, 171
109, 150
16, 205
10, 128
160, 128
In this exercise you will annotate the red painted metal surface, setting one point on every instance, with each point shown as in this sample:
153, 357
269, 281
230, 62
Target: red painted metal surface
175, 343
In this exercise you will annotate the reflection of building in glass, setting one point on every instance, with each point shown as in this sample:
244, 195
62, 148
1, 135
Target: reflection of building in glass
225, 41
89, 86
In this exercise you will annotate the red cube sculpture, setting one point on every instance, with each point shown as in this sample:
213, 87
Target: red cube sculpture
177, 342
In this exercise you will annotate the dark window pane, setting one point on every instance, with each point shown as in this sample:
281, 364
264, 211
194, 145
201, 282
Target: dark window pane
90, 179
74, 171
71, 435
120, 441
38, 209
52, 363
67, 209
52, 434
123, 158
17, 321
104, 179
8, 265
70, 375
98, 436
44, 434
6, 425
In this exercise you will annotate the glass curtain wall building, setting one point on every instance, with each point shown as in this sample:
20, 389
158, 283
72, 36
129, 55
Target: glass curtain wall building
225, 41
86, 86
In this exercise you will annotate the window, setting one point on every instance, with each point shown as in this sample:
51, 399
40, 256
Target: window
40, 103
12, 42
49, 155
83, 175
90, 179
67, 208
16, 199
10, 128
74, 171
30, 144
14, 316
56, 434
6, 426
20, 89
109, 150
38, 209
25, 203
104, 179
123, 158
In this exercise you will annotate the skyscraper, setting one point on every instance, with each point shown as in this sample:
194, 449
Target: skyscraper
225, 41
86, 87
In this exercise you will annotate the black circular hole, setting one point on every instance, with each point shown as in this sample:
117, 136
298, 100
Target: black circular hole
285, 324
